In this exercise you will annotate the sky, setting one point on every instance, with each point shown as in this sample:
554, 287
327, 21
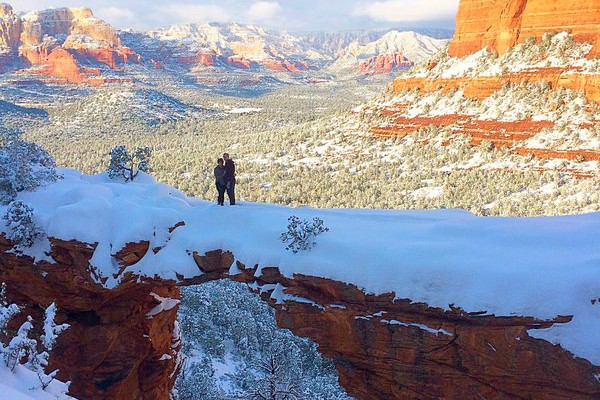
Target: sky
289, 15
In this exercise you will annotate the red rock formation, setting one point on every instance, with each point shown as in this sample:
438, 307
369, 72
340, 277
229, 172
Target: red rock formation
63, 64
69, 22
502, 24
35, 37
112, 349
482, 87
384, 64
206, 58
294, 67
10, 27
238, 62
459, 356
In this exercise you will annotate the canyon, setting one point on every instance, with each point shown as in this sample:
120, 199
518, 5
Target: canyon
120, 347
62, 41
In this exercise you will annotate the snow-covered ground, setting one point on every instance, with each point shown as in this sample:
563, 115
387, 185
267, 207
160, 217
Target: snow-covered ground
23, 384
540, 267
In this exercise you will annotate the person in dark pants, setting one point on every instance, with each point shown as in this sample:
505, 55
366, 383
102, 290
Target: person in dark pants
220, 181
230, 178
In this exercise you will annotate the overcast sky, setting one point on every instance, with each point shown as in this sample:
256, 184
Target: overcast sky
291, 15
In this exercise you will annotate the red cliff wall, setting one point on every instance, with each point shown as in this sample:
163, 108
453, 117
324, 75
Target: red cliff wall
113, 351
502, 24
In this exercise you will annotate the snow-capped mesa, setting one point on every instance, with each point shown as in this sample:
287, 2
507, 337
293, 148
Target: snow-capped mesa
501, 266
250, 41
226, 45
393, 51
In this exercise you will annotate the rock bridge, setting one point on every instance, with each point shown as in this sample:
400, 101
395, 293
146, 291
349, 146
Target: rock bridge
382, 347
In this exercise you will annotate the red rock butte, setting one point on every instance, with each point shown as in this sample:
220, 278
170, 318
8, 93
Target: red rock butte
57, 40
500, 25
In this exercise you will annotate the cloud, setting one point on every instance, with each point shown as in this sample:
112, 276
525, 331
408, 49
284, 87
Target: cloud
185, 12
408, 10
263, 10
116, 15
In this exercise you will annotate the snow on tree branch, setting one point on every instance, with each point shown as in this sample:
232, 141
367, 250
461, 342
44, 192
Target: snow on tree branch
301, 234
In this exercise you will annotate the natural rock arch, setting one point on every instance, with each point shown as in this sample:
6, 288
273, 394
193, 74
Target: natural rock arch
383, 348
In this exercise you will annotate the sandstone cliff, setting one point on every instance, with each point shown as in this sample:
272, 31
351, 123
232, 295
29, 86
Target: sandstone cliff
502, 24
60, 39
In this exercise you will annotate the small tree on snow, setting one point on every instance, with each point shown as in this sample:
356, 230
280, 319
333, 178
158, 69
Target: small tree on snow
7, 310
127, 165
21, 346
22, 228
51, 330
301, 234
24, 349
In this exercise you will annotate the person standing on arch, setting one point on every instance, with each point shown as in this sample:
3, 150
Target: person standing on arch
229, 178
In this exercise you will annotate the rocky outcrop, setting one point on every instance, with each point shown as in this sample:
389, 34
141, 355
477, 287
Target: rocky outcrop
120, 347
502, 24
10, 27
78, 25
384, 64
61, 40
483, 87
113, 349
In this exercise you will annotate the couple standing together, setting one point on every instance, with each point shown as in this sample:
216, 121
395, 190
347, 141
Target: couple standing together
225, 179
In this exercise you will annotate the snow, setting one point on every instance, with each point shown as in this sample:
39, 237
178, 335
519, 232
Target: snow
23, 384
165, 304
420, 326
504, 266
247, 110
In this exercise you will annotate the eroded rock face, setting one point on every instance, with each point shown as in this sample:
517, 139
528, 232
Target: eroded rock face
112, 350
502, 24
384, 64
61, 40
10, 27
383, 348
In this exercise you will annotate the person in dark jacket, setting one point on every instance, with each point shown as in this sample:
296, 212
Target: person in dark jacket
230, 178
220, 181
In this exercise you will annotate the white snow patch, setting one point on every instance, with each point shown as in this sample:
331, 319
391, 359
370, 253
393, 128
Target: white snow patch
247, 110
165, 305
420, 326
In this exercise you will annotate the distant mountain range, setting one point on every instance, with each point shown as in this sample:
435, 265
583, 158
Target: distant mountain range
70, 45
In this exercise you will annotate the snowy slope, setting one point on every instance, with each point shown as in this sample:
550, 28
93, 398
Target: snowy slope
126, 104
23, 384
414, 46
226, 39
505, 266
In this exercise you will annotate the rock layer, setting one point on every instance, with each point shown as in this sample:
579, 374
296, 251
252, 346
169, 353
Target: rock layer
502, 24
383, 347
